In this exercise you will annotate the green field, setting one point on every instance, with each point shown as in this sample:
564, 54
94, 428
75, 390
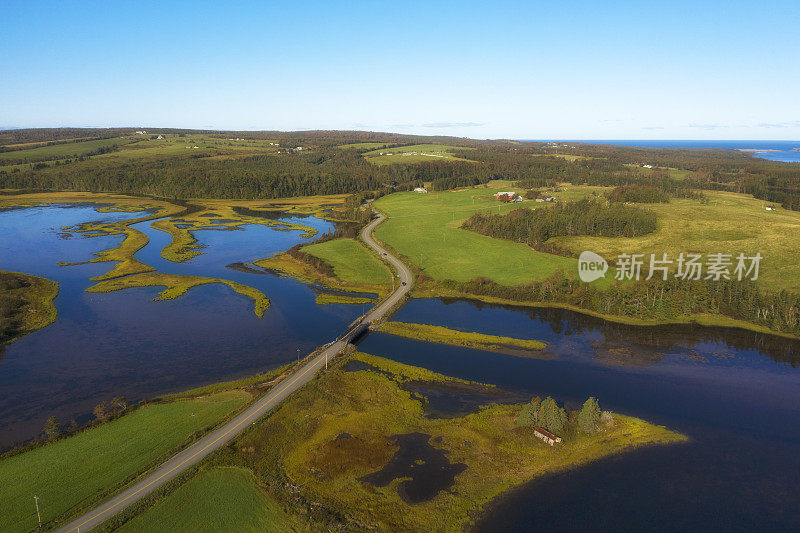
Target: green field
425, 229
351, 262
416, 153
72, 473
63, 150
218, 499
134, 147
362, 146
730, 223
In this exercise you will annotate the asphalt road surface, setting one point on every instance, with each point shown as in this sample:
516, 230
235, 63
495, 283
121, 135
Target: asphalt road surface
217, 438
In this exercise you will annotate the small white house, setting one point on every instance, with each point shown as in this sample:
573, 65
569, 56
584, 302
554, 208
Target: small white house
546, 436
770, 208
647, 166
160, 138
517, 199
420, 189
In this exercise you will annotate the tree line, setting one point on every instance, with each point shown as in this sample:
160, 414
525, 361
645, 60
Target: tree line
582, 217
655, 299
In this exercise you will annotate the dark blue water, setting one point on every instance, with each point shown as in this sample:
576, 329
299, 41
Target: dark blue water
124, 344
735, 393
783, 150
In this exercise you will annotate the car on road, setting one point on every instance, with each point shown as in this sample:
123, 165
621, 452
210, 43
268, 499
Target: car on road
404, 283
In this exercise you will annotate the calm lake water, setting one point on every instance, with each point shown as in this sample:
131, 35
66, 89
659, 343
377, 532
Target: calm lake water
735, 393
124, 344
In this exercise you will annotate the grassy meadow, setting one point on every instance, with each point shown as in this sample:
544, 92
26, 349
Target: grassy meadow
729, 223
72, 473
216, 499
416, 153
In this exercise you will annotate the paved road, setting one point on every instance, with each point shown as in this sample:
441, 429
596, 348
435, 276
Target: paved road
195, 453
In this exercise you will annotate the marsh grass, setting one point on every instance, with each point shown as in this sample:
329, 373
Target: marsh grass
300, 445
177, 285
441, 335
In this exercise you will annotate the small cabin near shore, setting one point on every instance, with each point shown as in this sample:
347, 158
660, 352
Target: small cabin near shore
546, 436
421, 189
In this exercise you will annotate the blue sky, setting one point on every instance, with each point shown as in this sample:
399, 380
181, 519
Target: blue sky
578, 70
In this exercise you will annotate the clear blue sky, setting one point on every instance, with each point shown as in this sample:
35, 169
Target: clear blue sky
580, 69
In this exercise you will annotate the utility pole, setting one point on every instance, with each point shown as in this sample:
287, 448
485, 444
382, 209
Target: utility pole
298, 356
194, 424
38, 515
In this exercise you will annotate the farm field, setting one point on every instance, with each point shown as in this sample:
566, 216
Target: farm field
425, 229
75, 471
217, 499
362, 146
63, 150
416, 153
137, 147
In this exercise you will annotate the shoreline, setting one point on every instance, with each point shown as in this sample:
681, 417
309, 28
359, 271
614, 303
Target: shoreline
705, 320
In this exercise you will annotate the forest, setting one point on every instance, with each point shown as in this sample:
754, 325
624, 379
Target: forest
320, 162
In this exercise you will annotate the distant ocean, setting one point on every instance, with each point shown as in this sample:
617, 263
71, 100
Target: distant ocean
783, 149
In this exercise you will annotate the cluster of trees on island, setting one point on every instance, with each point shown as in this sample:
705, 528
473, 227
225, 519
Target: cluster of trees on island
555, 419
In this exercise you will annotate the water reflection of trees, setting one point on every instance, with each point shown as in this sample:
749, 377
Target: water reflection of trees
662, 338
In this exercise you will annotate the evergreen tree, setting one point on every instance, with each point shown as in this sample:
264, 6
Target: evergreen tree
530, 414
551, 416
52, 429
589, 416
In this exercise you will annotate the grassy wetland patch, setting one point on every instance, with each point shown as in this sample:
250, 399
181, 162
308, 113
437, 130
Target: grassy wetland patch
441, 335
324, 441
184, 245
177, 285
26, 304
325, 298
